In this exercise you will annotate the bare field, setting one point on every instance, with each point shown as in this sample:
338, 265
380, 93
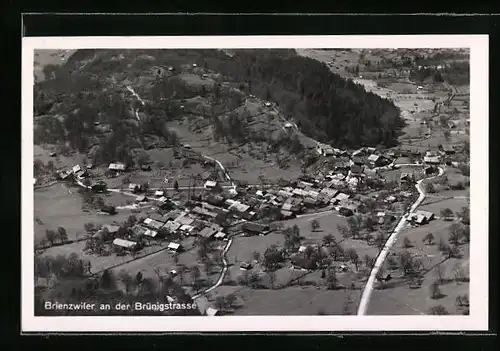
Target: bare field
59, 206
435, 206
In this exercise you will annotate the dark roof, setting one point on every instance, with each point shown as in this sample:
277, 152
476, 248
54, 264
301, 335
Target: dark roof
356, 169
255, 227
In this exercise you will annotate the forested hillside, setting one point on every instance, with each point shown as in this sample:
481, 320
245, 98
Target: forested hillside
85, 103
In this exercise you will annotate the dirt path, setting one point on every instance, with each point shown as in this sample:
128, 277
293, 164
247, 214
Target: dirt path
365, 298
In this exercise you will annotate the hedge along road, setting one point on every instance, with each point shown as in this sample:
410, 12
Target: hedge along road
367, 292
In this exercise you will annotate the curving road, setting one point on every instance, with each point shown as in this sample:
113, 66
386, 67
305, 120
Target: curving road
365, 298
222, 275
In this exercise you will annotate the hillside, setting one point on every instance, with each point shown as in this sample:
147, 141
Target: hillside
110, 103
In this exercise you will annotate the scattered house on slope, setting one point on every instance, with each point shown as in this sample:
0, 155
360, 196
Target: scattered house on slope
448, 149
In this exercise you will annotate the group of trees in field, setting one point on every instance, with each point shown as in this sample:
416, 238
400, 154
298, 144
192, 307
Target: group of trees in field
58, 236
73, 285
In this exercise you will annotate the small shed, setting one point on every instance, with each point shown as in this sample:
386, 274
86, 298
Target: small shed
175, 247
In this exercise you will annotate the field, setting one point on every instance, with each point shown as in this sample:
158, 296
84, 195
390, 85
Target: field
398, 299
100, 263
60, 206
295, 301
49, 57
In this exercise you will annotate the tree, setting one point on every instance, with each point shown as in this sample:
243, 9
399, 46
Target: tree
435, 291
87, 182
195, 273
464, 214
429, 239
126, 279
176, 185
51, 236
406, 262
438, 310
407, 243
63, 236
439, 271
329, 240
353, 256
231, 300
446, 213
107, 280
455, 233
220, 303
369, 261
315, 225
208, 265
344, 231
429, 188
447, 135
256, 256
380, 240
331, 279
272, 278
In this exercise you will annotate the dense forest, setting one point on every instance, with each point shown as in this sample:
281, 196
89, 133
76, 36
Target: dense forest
95, 112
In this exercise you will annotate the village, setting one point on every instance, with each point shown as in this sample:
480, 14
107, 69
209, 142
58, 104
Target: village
231, 243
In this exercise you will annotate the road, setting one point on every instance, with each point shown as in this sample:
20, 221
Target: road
365, 298
222, 275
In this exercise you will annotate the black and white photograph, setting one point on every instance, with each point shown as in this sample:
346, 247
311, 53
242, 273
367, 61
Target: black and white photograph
316, 183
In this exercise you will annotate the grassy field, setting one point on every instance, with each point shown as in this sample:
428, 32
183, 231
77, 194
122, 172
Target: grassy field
295, 301
49, 57
60, 206
399, 299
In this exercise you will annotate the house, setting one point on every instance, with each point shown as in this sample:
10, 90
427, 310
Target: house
146, 167
141, 198
310, 202
303, 185
420, 217
99, 187
215, 200
212, 185
174, 247
52, 154
406, 178
111, 229
357, 161
390, 199
356, 170
432, 160
118, 167
255, 228
76, 168
245, 266
448, 150
171, 226
212, 312
150, 233
135, 188
126, 244
64, 174
204, 212
184, 219
157, 217
346, 211
159, 193
377, 160
151, 223
208, 232
186, 229
341, 197
220, 235
287, 214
